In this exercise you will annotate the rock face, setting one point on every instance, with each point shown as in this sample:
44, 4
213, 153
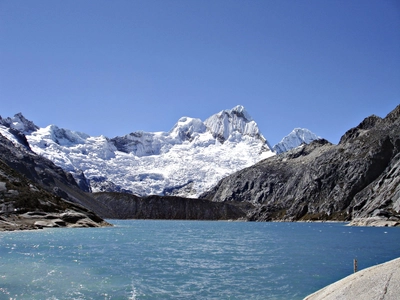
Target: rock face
358, 178
125, 206
34, 193
40, 220
377, 282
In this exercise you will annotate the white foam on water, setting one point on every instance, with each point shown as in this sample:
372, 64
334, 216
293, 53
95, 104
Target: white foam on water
133, 293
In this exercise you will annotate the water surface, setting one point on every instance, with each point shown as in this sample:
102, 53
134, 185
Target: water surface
143, 259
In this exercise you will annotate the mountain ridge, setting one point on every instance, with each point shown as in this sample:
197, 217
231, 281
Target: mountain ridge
144, 163
357, 180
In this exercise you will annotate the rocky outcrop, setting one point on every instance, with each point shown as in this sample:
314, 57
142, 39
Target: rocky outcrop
358, 178
19, 123
377, 221
126, 206
377, 282
40, 220
34, 193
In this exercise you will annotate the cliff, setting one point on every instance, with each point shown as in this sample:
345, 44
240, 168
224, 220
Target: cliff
127, 206
357, 179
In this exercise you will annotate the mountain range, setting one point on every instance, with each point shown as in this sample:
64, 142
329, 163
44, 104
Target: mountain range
357, 180
186, 161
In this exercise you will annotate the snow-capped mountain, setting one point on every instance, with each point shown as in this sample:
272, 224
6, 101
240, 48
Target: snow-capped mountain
295, 139
188, 160
20, 123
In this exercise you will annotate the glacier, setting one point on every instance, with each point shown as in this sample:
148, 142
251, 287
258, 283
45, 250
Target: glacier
186, 161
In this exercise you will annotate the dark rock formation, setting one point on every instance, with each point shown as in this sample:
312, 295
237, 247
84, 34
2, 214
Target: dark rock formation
358, 178
39, 220
125, 206
31, 183
82, 181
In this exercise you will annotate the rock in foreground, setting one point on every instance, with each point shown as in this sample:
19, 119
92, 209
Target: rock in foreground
378, 282
40, 220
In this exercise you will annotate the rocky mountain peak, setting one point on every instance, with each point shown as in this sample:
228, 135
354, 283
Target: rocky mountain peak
241, 112
186, 127
368, 123
228, 123
294, 139
20, 123
394, 115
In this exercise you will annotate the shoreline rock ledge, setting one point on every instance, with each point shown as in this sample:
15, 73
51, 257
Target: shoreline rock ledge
377, 282
39, 219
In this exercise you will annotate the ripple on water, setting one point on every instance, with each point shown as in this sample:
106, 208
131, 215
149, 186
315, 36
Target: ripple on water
185, 259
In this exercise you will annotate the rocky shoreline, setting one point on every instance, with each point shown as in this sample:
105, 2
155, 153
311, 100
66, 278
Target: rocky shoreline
39, 220
375, 222
71, 219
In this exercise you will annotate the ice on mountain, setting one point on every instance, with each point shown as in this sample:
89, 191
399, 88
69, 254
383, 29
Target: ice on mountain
4, 131
146, 163
228, 122
187, 128
20, 123
295, 139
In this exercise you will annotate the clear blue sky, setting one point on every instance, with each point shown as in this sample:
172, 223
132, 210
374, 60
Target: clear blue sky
113, 67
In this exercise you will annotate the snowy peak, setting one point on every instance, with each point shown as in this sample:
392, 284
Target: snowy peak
154, 143
241, 112
294, 139
64, 137
187, 160
186, 128
20, 123
228, 123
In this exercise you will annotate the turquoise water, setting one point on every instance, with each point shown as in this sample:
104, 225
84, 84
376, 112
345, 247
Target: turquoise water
140, 259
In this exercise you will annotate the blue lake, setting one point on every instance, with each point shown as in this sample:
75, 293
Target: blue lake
143, 259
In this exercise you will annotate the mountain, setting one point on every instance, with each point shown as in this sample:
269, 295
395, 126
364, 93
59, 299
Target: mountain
20, 123
294, 139
35, 193
186, 161
358, 179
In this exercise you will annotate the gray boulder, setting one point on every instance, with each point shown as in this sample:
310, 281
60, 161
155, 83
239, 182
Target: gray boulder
377, 282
